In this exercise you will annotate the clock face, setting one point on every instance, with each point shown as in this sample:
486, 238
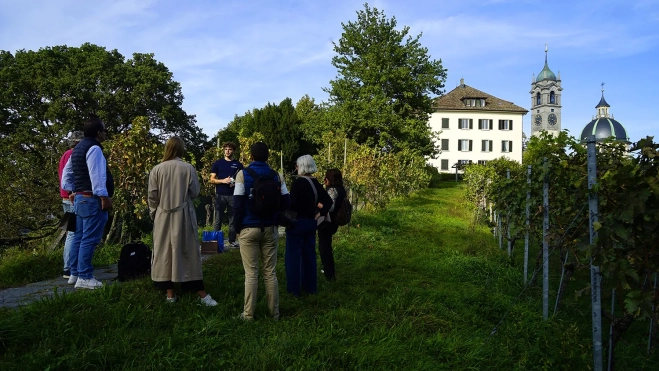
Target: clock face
552, 119
538, 120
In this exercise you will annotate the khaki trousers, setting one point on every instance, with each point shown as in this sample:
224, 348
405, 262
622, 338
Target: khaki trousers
254, 245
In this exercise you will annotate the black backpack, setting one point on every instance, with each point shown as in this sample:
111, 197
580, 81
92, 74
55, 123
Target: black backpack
134, 261
344, 212
265, 194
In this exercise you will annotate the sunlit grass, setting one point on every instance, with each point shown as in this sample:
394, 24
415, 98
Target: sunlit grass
418, 288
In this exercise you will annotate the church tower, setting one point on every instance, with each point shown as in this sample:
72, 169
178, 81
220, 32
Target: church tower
546, 101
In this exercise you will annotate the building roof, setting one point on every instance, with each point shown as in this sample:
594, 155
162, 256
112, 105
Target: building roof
603, 128
545, 74
602, 102
454, 100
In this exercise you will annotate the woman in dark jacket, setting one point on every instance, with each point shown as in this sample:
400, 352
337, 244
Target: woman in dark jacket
334, 186
308, 198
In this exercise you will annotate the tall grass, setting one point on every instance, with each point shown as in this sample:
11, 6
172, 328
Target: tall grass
417, 288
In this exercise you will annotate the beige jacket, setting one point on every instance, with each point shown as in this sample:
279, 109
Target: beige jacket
172, 187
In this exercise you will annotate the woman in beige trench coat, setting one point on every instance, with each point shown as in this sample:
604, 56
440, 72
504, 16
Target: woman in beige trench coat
173, 184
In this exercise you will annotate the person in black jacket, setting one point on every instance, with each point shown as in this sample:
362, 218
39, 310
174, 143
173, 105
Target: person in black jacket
334, 185
308, 199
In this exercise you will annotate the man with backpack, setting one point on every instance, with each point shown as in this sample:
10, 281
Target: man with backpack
259, 198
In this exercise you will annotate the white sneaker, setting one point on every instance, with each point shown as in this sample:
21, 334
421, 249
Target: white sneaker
72, 280
208, 301
90, 284
171, 300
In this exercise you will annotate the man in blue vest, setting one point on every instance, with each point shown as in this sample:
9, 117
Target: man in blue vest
257, 233
87, 176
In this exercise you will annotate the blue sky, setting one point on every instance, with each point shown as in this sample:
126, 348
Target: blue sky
233, 56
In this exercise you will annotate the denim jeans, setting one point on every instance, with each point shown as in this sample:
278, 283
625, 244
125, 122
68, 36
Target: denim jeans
221, 203
90, 222
301, 257
68, 207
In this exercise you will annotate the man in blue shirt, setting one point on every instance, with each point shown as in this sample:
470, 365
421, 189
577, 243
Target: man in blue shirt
223, 175
87, 175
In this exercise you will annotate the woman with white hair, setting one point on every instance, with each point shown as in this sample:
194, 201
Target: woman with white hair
308, 198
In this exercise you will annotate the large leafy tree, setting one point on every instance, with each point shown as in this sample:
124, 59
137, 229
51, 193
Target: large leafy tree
46, 94
381, 96
280, 127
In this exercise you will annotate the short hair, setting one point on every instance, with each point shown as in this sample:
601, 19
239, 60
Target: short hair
334, 178
231, 145
306, 165
259, 151
92, 126
173, 149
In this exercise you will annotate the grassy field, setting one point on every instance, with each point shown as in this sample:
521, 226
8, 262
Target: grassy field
418, 288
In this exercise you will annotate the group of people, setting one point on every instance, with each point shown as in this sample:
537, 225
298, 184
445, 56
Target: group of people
255, 199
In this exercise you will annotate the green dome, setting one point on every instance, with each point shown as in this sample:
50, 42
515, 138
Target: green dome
545, 74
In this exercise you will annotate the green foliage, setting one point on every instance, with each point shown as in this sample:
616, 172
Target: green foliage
628, 192
381, 95
46, 94
280, 128
409, 295
132, 155
373, 177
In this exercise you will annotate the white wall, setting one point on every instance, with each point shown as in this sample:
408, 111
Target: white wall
453, 134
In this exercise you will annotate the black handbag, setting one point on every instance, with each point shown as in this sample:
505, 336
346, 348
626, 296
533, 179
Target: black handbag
68, 222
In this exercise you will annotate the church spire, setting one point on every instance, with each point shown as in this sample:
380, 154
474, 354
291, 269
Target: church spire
602, 106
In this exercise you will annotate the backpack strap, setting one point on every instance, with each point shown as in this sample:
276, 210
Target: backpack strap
315, 193
251, 172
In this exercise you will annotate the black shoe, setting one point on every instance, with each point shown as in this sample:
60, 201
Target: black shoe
66, 274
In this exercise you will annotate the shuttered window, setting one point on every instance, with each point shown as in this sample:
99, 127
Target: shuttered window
505, 124
444, 144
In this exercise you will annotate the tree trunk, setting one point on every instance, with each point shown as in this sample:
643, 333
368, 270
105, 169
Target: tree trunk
620, 325
538, 262
569, 271
113, 229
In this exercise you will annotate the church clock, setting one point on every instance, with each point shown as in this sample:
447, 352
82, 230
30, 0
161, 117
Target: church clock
538, 120
552, 119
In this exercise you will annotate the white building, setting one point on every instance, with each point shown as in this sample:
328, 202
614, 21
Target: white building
475, 127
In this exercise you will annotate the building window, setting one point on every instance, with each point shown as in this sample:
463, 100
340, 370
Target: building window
444, 165
505, 124
506, 146
482, 162
444, 123
537, 99
486, 145
444, 144
552, 98
464, 162
465, 124
485, 124
465, 145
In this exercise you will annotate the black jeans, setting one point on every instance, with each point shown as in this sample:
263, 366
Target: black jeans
224, 203
325, 233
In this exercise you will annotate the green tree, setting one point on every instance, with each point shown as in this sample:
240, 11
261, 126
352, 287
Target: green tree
280, 127
382, 94
46, 94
